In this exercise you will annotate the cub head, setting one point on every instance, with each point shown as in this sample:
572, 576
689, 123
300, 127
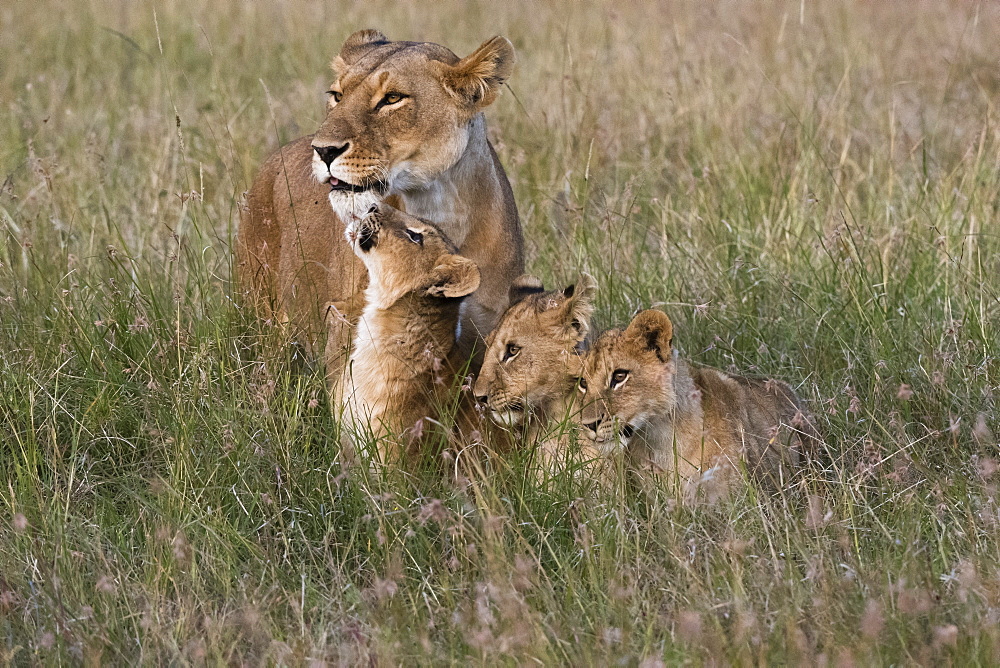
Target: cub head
627, 379
404, 255
400, 114
531, 356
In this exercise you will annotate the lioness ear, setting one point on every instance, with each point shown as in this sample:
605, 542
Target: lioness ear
355, 46
524, 285
454, 276
476, 79
579, 306
652, 330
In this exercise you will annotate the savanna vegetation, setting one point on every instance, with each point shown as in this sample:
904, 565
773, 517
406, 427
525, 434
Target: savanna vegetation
810, 190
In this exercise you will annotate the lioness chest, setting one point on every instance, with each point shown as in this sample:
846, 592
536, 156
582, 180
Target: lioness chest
442, 204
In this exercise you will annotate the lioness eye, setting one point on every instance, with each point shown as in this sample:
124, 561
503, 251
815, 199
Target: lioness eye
511, 352
389, 98
618, 377
581, 384
336, 95
415, 237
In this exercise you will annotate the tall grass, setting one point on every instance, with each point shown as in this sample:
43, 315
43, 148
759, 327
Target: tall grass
810, 190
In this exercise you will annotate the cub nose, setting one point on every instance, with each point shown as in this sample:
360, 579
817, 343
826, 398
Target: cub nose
592, 426
330, 153
481, 399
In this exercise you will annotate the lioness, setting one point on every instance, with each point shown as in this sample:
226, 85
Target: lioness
403, 119
405, 358
685, 420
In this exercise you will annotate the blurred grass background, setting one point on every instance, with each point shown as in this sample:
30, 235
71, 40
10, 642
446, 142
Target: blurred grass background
810, 190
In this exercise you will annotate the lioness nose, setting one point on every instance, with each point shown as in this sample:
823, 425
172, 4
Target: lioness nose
329, 153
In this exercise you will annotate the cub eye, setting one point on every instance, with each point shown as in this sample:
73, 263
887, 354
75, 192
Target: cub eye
335, 94
389, 98
415, 237
618, 377
581, 384
511, 352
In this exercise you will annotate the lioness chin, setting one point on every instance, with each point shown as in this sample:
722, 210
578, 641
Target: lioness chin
693, 423
404, 121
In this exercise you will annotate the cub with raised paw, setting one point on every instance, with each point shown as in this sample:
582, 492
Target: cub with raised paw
405, 360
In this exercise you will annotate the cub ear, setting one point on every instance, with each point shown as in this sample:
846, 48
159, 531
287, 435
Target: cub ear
355, 46
524, 285
652, 330
454, 276
579, 306
476, 80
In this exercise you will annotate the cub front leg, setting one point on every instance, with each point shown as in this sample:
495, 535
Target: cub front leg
340, 318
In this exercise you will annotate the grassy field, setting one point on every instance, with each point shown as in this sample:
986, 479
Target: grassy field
810, 190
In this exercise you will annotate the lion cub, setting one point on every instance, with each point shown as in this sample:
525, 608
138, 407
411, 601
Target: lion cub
693, 422
404, 360
532, 358
532, 362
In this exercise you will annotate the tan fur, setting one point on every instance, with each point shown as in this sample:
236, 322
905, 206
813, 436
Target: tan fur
532, 358
429, 149
694, 423
405, 359
532, 361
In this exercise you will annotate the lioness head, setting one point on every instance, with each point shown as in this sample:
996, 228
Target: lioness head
405, 255
531, 355
627, 379
399, 114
